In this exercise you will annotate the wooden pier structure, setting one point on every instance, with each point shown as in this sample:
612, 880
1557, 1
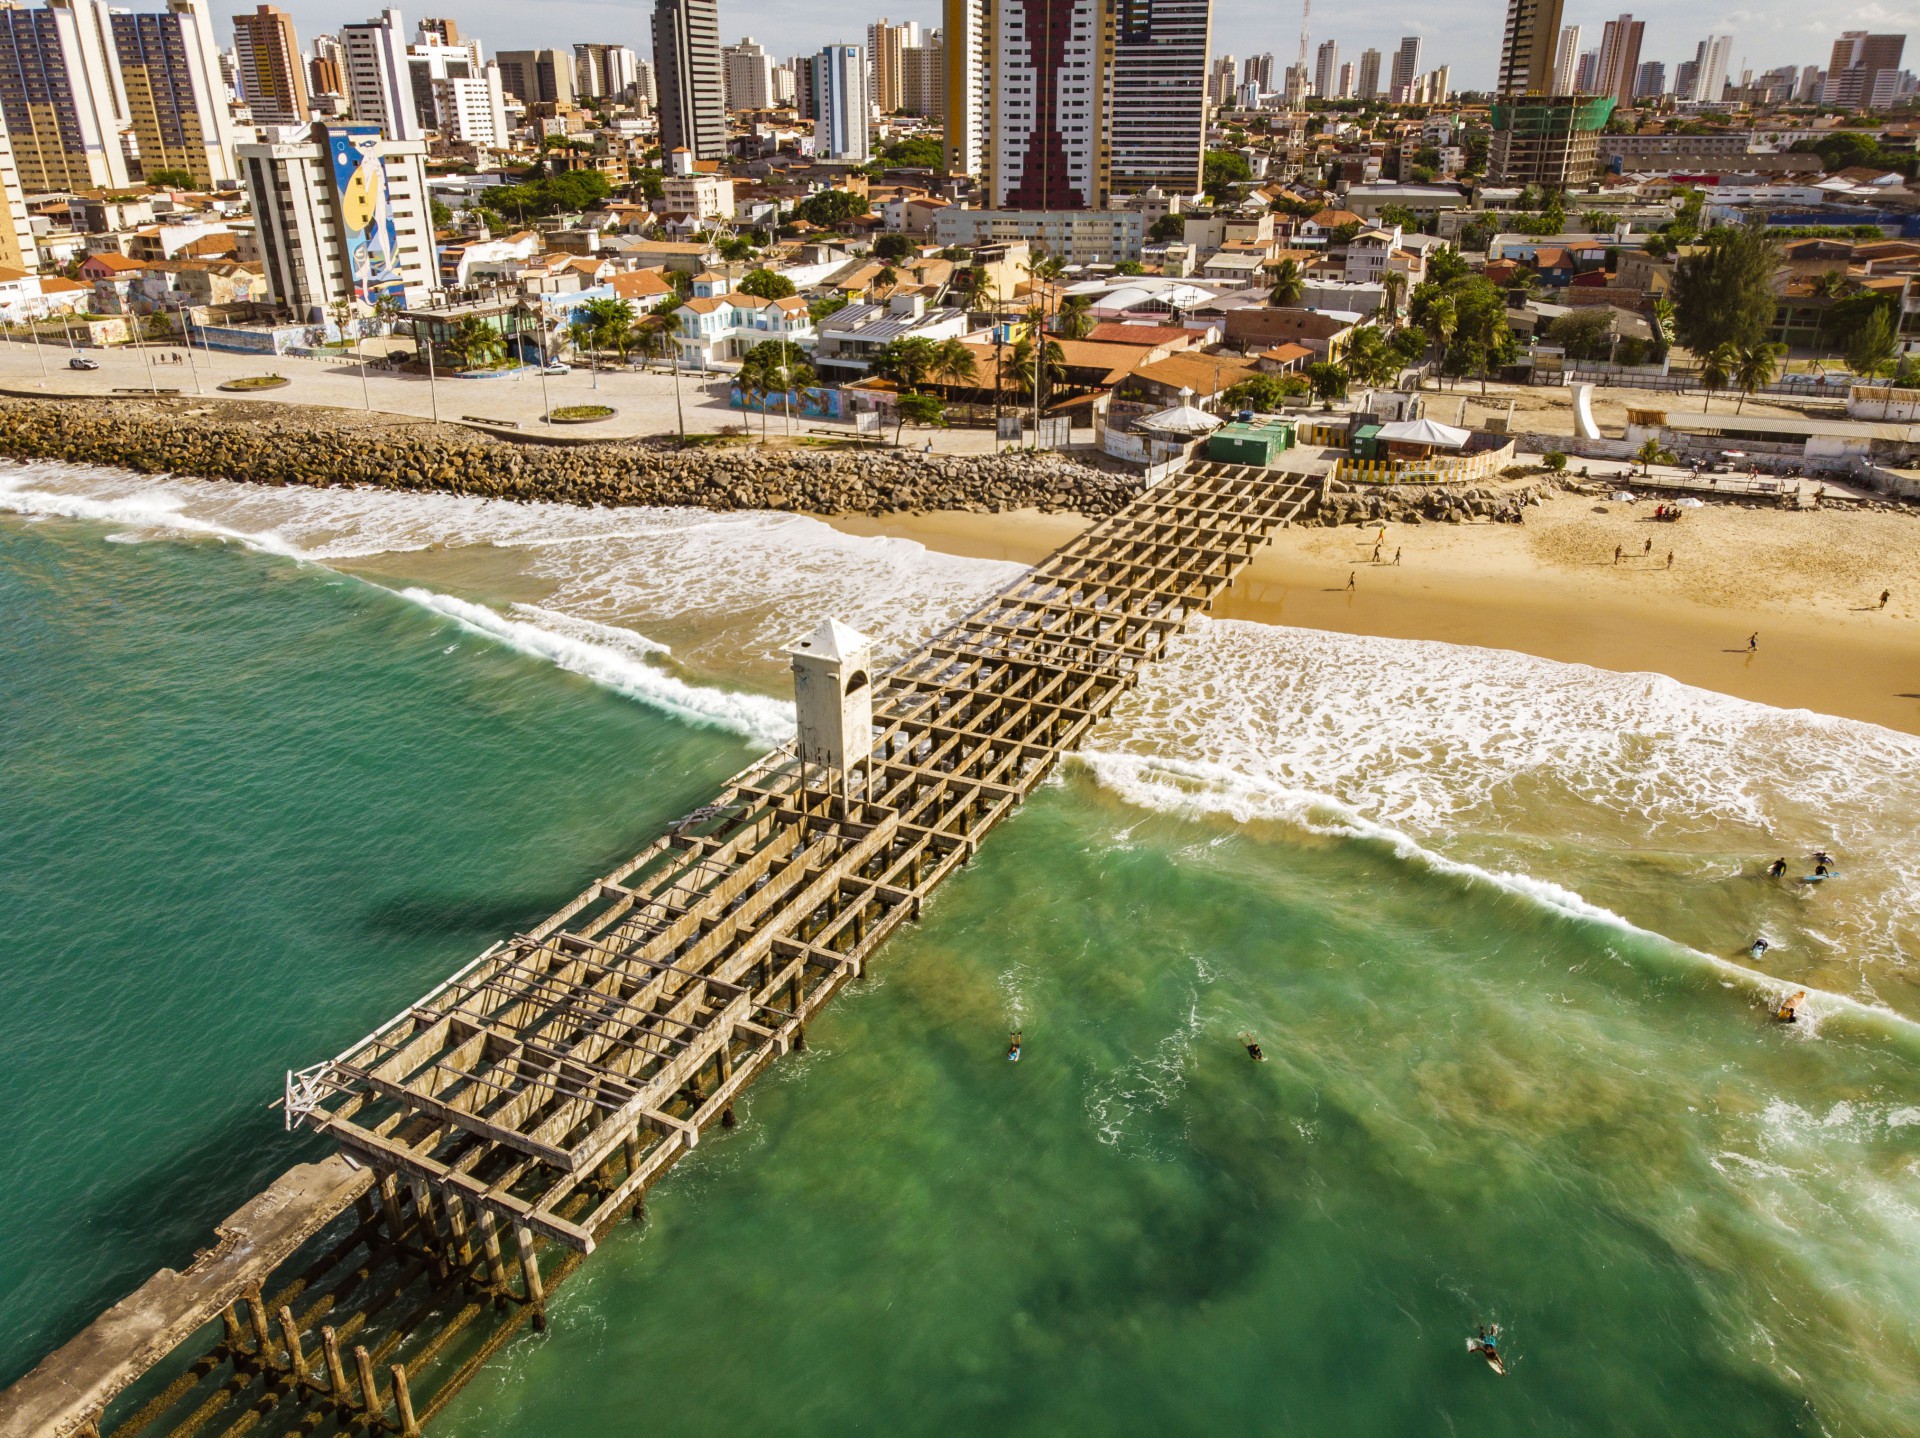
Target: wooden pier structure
492, 1133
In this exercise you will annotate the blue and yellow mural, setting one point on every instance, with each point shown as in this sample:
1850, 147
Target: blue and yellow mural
366, 212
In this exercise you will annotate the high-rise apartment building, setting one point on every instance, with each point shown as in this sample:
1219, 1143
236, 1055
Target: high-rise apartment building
966, 34
176, 104
1529, 48
59, 97
272, 80
18, 248
537, 77
886, 44
1048, 143
1864, 71
1619, 57
1650, 80
341, 216
1326, 69
1369, 75
746, 75
1220, 80
1406, 65
1345, 91
841, 126
1566, 55
686, 61
326, 75
379, 85
1157, 114
604, 72
1550, 141
1586, 72
923, 77
1258, 70
1709, 70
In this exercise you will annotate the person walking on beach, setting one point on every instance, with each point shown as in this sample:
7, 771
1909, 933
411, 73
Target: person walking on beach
1616, 554
1396, 554
1376, 551
1753, 642
1885, 595
1649, 549
1669, 559
1351, 575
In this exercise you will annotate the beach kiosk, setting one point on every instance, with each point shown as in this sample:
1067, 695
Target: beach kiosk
1419, 439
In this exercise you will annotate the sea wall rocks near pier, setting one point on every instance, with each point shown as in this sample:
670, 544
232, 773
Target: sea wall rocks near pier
1417, 503
288, 445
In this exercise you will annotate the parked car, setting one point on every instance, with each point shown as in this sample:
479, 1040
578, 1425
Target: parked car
557, 367
82, 362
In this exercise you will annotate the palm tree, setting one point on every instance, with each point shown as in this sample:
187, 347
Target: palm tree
952, 363
1717, 368
650, 336
1828, 285
1075, 319
906, 362
1441, 323
885, 280
1651, 453
1288, 285
1394, 282
1053, 362
474, 344
1758, 365
969, 287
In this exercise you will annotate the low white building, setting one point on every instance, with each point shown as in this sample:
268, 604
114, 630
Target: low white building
342, 217
703, 196
850, 337
1078, 237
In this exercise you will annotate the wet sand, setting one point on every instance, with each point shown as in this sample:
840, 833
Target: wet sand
1808, 583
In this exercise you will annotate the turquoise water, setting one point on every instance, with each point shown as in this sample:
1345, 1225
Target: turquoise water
1484, 915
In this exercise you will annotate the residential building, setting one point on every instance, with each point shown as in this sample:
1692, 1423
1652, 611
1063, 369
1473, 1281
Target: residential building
1157, 118
1586, 72
1345, 91
605, 72
537, 77
326, 75
923, 77
1406, 65
1326, 69
273, 82
472, 109
850, 337
805, 86
1650, 80
1864, 71
718, 325
176, 105
841, 104
968, 44
1709, 74
1566, 56
1220, 80
379, 85
1552, 142
1258, 70
1048, 147
686, 60
59, 98
17, 247
1619, 58
1531, 48
886, 44
746, 75
1369, 74
341, 216
702, 195
1075, 236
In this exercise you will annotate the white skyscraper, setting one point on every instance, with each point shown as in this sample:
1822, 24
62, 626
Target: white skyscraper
1326, 70
841, 104
379, 84
747, 75
1710, 73
1566, 60
65, 133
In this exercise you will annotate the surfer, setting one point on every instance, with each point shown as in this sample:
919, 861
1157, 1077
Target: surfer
1758, 948
1253, 1048
1776, 868
1013, 1048
1487, 1345
1789, 1010
1822, 870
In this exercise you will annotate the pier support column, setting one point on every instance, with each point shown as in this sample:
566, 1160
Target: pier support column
336, 1374
403, 1403
530, 1273
262, 1338
390, 1206
296, 1355
429, 1227
724, 1062
369, 1395
462, 1232
496, 1264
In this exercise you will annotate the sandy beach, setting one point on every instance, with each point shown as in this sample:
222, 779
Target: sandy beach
1808, 583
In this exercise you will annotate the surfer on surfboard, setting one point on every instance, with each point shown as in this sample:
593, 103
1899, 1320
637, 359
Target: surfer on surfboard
1013, 1048
1487, 1345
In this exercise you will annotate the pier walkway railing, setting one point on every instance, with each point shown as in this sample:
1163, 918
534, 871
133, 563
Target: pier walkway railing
491, 1133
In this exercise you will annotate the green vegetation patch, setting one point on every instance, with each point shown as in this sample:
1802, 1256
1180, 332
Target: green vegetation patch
256, 381
580, 413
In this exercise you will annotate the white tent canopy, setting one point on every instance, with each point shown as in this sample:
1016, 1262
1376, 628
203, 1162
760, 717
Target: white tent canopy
1425, 431
1182, 419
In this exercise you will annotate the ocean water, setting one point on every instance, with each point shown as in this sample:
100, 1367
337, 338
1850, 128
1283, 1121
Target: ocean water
277, 760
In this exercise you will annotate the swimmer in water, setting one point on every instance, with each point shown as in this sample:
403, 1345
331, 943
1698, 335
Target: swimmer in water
1013, 1048
1758, 948
1789, 1010
1776, 868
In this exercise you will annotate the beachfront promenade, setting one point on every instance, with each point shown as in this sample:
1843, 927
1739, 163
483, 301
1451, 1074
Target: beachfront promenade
495, 1130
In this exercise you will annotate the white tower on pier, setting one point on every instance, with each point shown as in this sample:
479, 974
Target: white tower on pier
833, 697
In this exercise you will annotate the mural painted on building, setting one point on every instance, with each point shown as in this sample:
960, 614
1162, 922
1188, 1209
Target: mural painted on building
808, 403
366, 212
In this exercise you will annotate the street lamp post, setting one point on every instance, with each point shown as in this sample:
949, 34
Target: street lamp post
433, 388
186, 321
38, 354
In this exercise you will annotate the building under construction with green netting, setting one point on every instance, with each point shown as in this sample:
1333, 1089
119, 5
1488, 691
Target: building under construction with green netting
1552, 141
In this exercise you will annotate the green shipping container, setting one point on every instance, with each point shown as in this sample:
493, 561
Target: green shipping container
1366, 442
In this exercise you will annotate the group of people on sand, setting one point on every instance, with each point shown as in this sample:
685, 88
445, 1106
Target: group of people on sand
1788, 1010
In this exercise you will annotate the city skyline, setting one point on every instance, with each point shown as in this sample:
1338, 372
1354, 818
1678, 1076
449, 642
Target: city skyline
1764, 37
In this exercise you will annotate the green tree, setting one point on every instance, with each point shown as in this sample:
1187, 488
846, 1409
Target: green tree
919, 152
1662, 325
1446, 264
1368, 358
1224, 172
1167, 229
1717, 367
1266, 393
924, 410
952, 364
1847, 316
440, 215
735, 249
170, 179
1394, 284
765, 284
907, 362
775, 367
1329, 381
1873, 346
1756, 368
1288, 285
1075, 319
1129, 267
892, 246
1440, 322
1650, 453
474, 344
1584, 334
1400, 215
1051, 364
831, 209
1723, 293
820, 306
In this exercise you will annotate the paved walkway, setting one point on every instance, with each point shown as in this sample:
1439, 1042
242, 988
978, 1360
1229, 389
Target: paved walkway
644, 401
